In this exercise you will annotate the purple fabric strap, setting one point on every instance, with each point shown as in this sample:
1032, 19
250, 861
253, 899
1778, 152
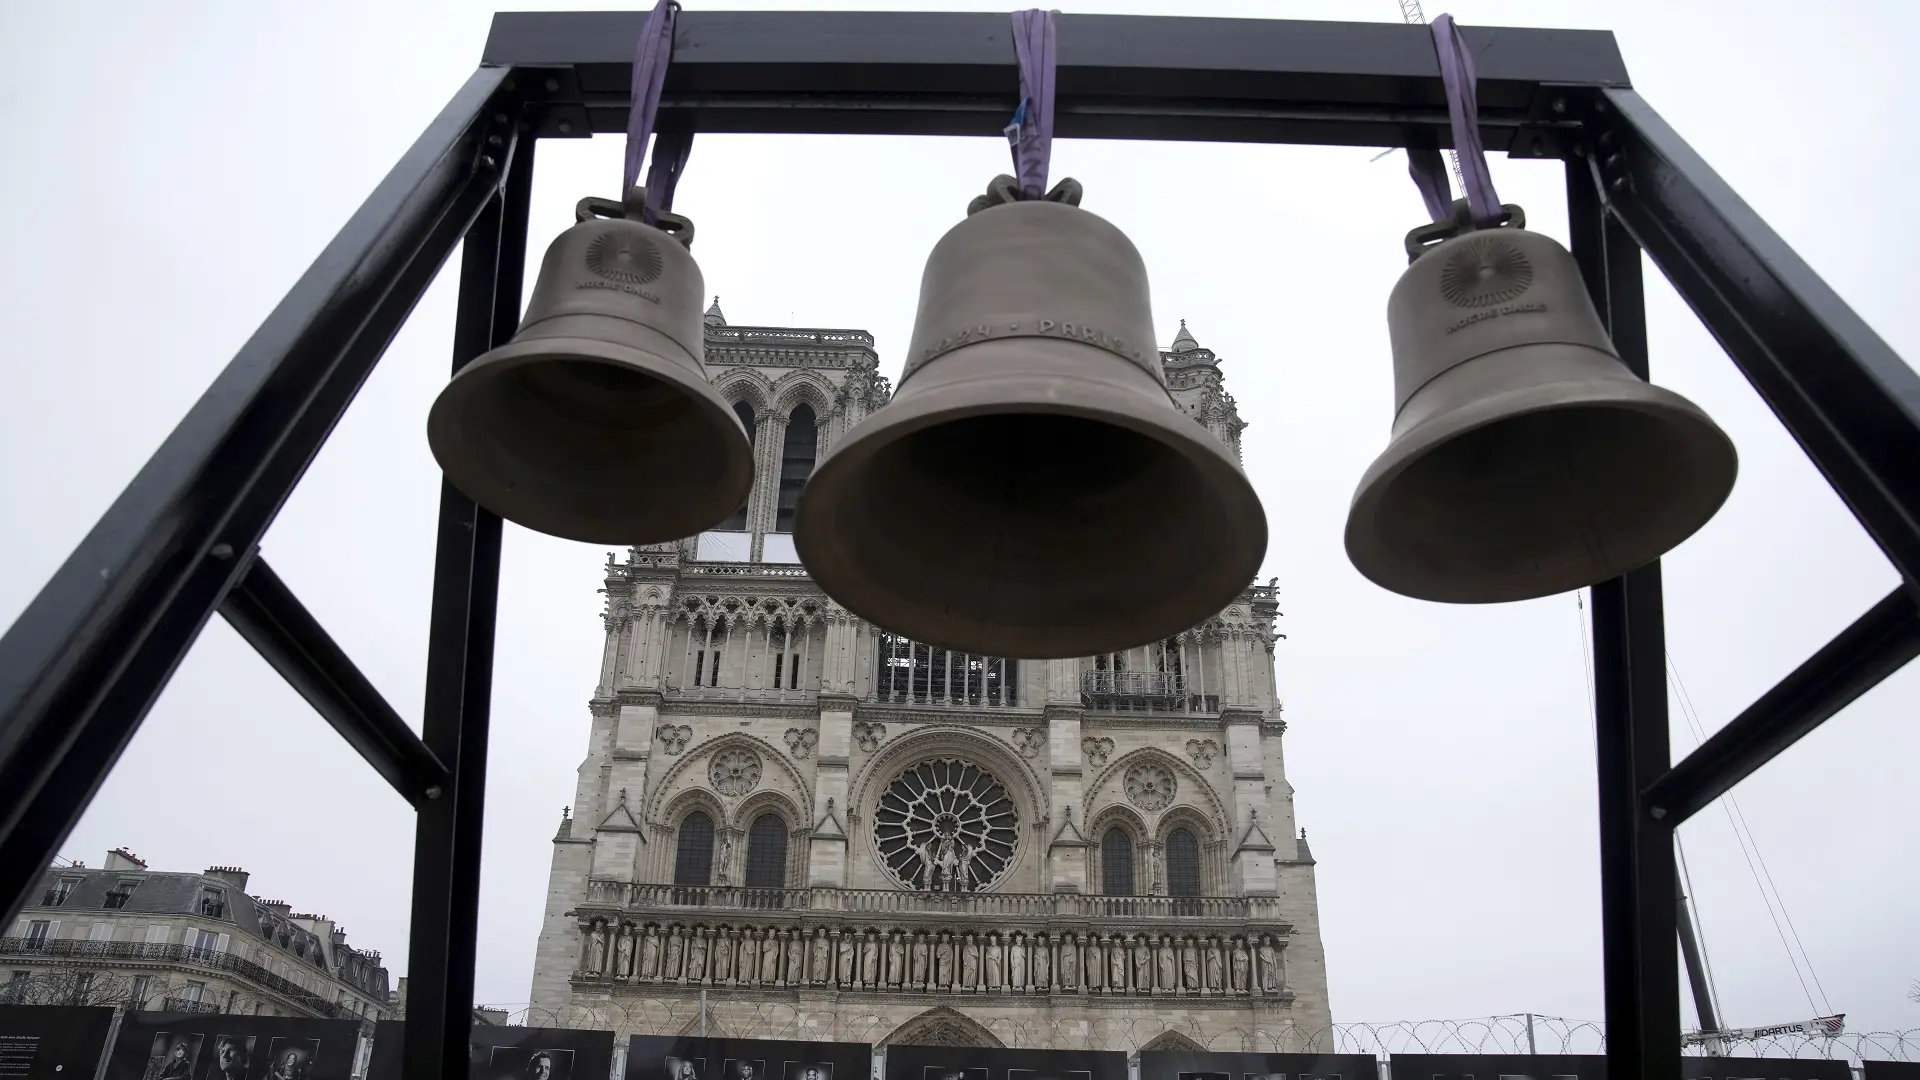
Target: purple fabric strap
1033, 46
1463, 108
1430, 176
650, 56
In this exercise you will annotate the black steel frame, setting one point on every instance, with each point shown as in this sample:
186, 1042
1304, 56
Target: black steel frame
83, 664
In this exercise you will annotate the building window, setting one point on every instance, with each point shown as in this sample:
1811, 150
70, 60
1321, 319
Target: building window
58, 892
193, 991
739, 519
118, 896
38, 931
82, 988
693, 860
137, 992
1183, 864
205, 944
16, 988
706, 667
213, 902
767, 852
796, 463
1116, 862
910, 673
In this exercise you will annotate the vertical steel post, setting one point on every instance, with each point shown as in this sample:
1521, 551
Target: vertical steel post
1637, 880
466, 584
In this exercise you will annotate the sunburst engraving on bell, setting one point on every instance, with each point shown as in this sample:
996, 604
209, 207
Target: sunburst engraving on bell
623, 256
1485, 270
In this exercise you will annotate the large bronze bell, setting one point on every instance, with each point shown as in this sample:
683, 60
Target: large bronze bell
597, 422
1031, 490
1526, 459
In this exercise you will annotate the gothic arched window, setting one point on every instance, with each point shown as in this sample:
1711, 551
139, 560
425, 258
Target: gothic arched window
767, 852
693, 859
739, 519
1183, 864
1116, 862
796, 463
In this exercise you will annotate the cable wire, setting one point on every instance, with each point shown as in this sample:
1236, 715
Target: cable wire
1749, 847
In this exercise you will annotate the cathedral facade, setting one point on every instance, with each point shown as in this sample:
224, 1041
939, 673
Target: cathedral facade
793, 823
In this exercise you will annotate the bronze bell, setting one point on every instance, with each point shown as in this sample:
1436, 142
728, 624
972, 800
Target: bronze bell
597, 422
1526, 459
1031, 490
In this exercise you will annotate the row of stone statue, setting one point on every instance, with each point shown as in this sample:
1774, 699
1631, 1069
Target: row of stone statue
1140, 963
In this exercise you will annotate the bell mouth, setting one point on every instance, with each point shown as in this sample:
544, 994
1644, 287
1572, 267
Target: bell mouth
1540, 500
591, 441
1032, 534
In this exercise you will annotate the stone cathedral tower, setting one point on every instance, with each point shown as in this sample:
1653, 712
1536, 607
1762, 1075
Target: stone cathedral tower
828, 831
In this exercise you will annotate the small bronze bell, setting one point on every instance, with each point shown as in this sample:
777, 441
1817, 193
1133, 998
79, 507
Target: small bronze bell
597, 422
1031, 490
1526, 459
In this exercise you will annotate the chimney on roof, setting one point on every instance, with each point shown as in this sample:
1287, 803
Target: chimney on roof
122, 859
278, 907
232, 875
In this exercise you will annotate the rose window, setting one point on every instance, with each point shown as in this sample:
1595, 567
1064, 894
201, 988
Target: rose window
735, 772
946, 825
1150, 785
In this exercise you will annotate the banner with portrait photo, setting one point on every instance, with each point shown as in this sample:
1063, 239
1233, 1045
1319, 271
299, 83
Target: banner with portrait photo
1199, 1065
52, 1042
215, 1046
1753, 1068
993, 1063
1499, 1067
499, 1052
668, 1057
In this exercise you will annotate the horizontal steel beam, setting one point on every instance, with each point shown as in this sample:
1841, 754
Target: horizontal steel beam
266, 613
1855, 661
1849, 400
1120, 76
82, 665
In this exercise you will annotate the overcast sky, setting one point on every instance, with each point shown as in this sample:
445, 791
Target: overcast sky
174, 168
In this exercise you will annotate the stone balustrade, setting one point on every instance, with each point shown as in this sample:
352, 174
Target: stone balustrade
796, 939
674, 899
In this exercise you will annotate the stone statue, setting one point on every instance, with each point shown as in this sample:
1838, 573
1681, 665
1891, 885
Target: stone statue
1213, 964
844, 972
697, 950
1042, 962
724, 870
918, 964
870, 959
673, 954
597, 949
1070, 963
1238, 948
1190, 965
792, 968
1168, 976
963, 870
925, 851
623, 956
943, 961
946, 856
996, 956
1116, 964
1153, 869
817, 960
1017, 962
1142, 963
896, 960
969, 962
770, 956
747, 956
650, 953
723, 956
1269, 966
